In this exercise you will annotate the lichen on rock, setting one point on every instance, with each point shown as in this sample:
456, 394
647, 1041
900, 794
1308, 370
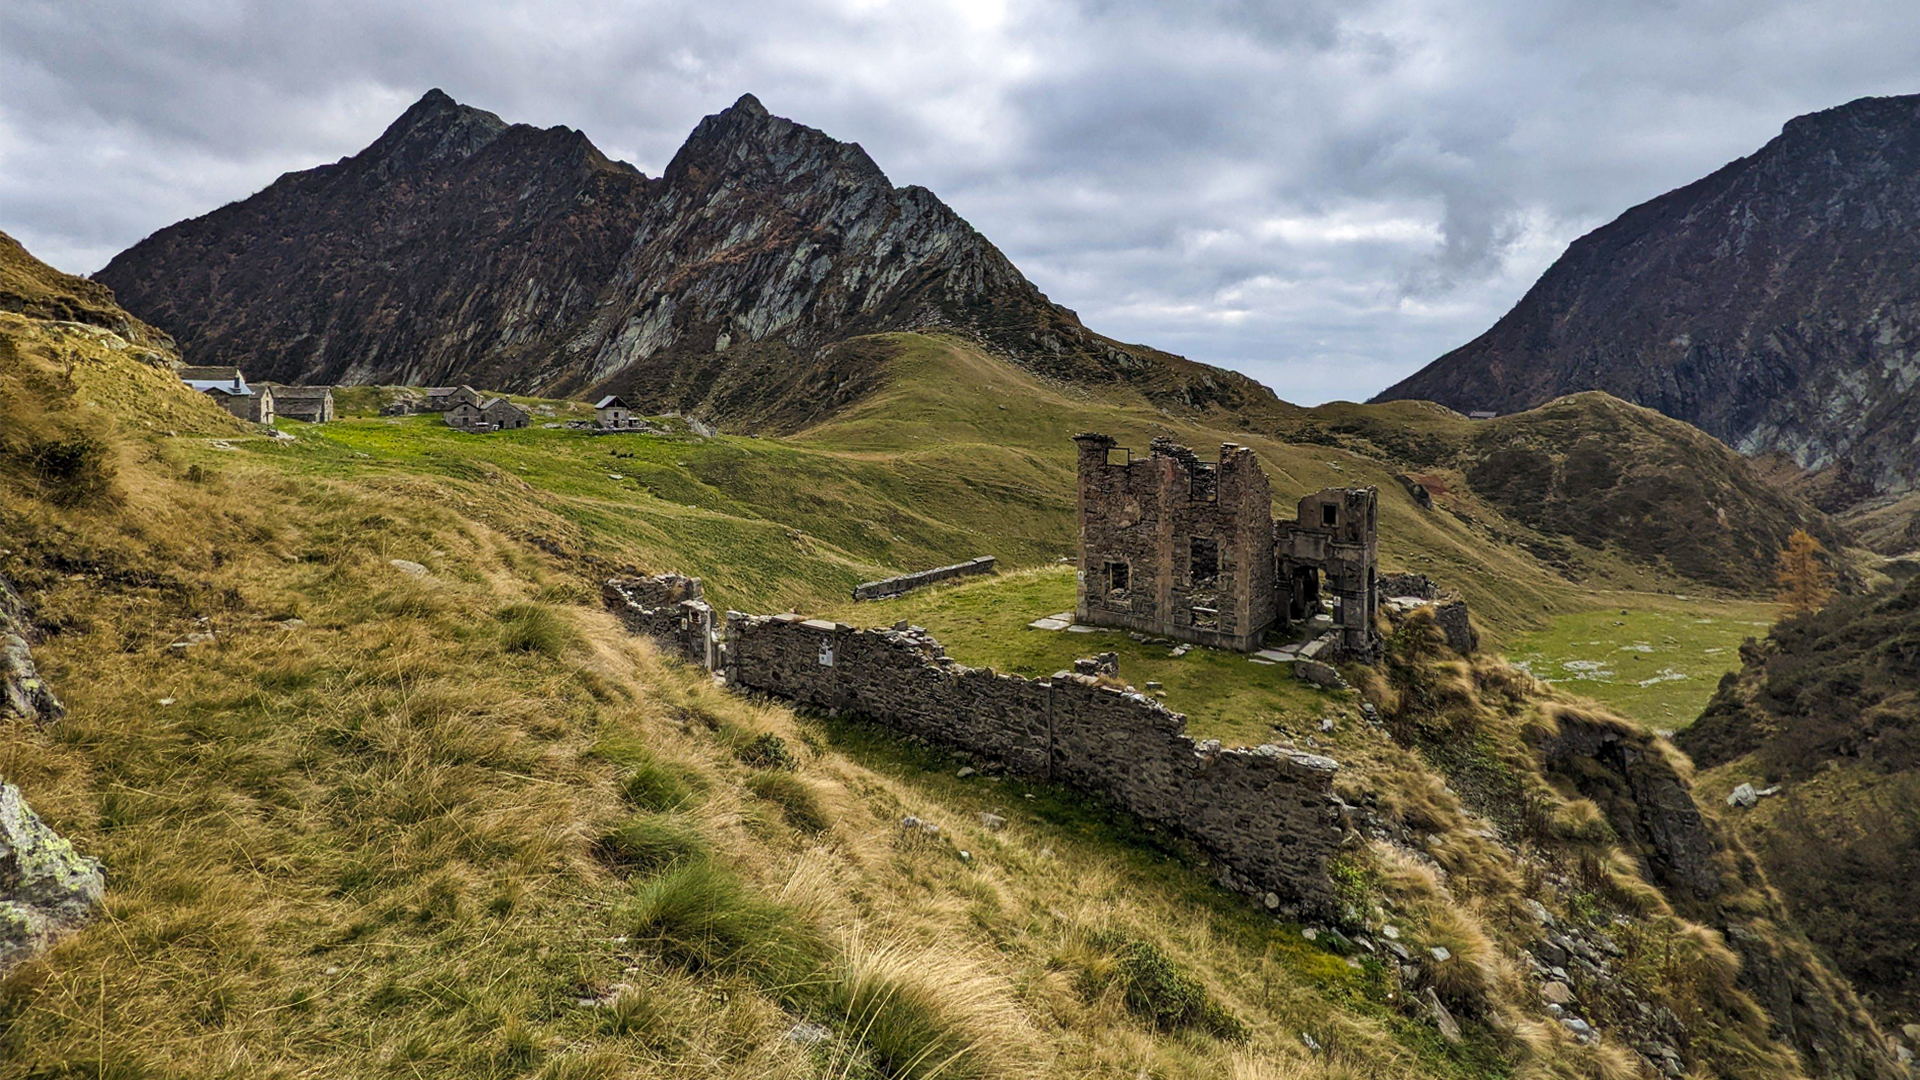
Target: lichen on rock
46, 886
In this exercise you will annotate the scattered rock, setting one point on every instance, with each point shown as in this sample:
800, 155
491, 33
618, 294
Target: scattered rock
992, 822
408, 567
967, 771
1557, 992
1271, 900
1442, 1019
807, 1033
1742, 796
1440, 953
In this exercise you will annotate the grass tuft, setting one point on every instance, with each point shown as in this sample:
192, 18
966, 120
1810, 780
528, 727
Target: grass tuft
797, 800
648, 843
703, 917
535, 628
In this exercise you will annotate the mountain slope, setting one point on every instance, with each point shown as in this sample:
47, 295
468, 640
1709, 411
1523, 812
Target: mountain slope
1827, 707
458, 247
1584, 475
1772, 304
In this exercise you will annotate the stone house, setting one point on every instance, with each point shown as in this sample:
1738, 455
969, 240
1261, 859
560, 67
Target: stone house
228, 386
1188, 549
504, 415
610, 413
466, 416
313, 404
444, 398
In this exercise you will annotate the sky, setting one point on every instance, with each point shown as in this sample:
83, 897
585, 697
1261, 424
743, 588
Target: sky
1324, 195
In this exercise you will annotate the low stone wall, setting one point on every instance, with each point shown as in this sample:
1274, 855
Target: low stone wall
894, 586
667, 608
1269, 815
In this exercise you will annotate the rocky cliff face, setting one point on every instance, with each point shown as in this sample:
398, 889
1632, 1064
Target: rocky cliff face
458, 247
1772, 304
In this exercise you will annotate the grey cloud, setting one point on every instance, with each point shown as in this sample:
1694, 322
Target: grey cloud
1325, 195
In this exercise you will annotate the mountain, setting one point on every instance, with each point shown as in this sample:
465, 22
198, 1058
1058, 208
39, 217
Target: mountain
1826, 712
1772, 304
459, 247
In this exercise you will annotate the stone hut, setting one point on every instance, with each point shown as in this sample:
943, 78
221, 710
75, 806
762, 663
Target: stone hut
228, 386
504, 415
466, 416
444, 398
1188, 549
611, 413
313, 404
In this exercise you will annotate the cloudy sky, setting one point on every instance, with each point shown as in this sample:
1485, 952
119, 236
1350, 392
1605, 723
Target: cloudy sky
1325, 195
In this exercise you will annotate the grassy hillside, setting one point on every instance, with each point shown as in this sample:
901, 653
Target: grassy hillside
381, 791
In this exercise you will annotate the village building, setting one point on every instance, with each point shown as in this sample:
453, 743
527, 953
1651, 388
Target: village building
228, 387
466, 416
610, 413
1188, 549
313, 404
504, 415
444, 398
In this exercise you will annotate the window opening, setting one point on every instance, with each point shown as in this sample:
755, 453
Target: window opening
1329, 514
1204, 561
1119, 455
1117, 577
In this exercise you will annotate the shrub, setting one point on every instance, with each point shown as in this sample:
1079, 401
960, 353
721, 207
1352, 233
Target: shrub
767, 751
796, 800
534, 628
1168, 997
73, 469
703, 917
650, 842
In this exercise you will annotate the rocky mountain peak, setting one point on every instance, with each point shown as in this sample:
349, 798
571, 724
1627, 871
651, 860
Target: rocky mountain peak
745, 144
1771, 303
434, 129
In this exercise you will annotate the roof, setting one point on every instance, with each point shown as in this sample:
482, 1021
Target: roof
491, 402
222, 387
300, 393
443, 391
611, 402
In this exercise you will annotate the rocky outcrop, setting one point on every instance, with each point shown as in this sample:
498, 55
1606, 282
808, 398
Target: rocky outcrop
22, 691
45, 885
461, 248
1642, 789
1772, 304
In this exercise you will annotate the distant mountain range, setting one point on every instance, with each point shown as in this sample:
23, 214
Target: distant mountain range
459, 247
1775, 304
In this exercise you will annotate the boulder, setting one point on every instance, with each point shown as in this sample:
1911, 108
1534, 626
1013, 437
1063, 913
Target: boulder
45, 885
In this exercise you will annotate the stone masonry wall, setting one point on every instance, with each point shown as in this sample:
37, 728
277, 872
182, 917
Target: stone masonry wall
894, 586
669, 609
1269, 815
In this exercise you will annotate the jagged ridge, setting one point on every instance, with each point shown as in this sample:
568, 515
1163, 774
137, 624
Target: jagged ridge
460, 247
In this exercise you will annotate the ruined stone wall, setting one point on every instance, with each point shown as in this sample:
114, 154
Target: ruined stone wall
894, 586
1334, 534
1193, 537
1269, 815
667, 608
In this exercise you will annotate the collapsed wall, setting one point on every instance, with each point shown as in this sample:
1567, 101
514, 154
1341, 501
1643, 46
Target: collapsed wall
1269, 816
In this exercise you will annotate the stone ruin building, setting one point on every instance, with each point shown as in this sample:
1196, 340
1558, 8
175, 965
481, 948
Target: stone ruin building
1188, 549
